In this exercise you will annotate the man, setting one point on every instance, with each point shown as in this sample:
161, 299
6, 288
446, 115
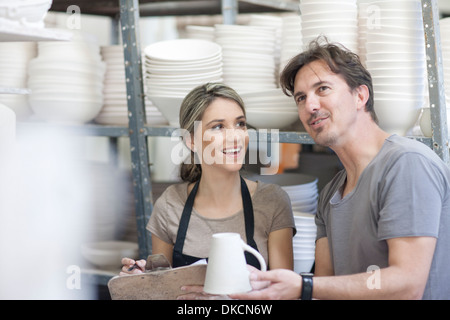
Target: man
383, 223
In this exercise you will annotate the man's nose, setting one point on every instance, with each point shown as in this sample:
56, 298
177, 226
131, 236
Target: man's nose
312, 104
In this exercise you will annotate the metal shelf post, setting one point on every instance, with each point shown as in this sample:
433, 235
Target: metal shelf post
129, 25
438, 111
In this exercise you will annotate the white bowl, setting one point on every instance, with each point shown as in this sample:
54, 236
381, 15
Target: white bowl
63, 111
109, 254
372, 64
303, 265
64, 79
397, 116
307, 8
338, 15
169, 107
41, 65
403, 5
404, 89
396, 95
425, 122
404, 22
81, 51
417, 72
393, 80
395, 56
394, 14
400, 31
26, 12
383, 46
353, 29
271, 119
182, 50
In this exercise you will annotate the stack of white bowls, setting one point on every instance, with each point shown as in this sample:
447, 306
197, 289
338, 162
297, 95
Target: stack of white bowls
337, 20
14, 58
425, 120
200, 32
175, 67
248, 57
365, 9
276, 23
115, 106
304, 241
66, 80
396, 60
29, 13
291, 39
270, 109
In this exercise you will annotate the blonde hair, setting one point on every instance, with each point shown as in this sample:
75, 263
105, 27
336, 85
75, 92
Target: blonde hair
192, 110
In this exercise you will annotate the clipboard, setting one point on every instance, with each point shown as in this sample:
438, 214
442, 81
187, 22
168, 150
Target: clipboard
159, 281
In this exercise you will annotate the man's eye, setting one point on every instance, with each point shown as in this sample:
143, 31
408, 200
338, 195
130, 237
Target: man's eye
300, 99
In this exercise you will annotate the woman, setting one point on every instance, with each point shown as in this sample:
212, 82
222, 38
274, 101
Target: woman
214, 197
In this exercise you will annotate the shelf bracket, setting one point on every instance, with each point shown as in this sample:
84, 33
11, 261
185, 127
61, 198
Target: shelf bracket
129, 23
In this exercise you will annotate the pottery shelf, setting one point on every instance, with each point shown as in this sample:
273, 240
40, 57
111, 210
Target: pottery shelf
128, 12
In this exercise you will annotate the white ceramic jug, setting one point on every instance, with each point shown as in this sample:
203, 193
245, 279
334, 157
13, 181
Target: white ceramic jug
227, 271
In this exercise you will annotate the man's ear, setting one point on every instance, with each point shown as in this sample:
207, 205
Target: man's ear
362, 95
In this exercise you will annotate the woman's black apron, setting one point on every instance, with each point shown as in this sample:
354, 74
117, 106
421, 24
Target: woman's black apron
179, 259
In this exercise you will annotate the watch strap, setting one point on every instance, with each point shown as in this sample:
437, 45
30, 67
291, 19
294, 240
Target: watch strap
307, 286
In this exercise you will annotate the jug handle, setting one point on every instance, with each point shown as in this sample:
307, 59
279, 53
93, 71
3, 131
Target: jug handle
258, 256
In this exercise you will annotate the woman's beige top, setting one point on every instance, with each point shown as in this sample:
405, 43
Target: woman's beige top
271, 208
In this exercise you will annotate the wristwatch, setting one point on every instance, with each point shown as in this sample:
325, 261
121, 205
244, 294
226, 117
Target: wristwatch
307, 286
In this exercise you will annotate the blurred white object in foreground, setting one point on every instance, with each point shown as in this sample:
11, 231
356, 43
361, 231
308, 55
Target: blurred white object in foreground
43, 215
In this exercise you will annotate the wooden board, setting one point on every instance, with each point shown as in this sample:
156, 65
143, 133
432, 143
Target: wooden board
156, 285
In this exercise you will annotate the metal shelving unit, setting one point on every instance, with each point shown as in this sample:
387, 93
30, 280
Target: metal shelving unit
138, 131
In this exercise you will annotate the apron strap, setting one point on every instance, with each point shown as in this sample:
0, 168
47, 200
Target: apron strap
184, 221
249, 224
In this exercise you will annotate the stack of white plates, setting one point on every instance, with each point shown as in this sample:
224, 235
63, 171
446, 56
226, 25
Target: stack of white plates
303, 192
304, 242
66, 80
270, 109
396, 60
248, 57
175, 67
115, 107
14, 58
301, 188
291, 39
337, 20
200, 32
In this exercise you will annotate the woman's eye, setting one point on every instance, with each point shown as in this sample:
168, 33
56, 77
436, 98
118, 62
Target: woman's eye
323, 88
242, 124
217, 127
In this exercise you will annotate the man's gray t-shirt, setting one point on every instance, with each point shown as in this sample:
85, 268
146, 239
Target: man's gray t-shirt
403, 192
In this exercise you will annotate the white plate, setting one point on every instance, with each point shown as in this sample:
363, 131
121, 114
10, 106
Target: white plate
182, 50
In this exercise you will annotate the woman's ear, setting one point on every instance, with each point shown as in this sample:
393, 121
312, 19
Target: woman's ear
189, 141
